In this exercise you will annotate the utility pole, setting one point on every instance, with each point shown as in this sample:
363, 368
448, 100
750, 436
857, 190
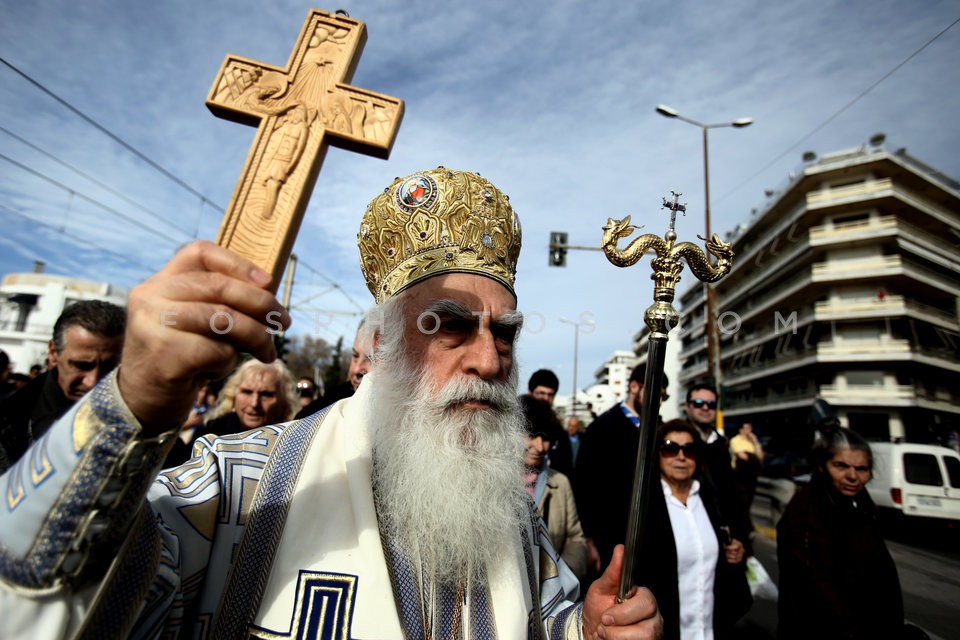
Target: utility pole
288, 284
714, 368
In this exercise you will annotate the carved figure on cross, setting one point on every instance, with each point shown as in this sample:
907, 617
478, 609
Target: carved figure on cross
293, 128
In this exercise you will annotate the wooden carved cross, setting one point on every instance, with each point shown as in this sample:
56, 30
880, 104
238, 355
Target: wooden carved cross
298, 111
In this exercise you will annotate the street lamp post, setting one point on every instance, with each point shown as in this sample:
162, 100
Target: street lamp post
713, 343
576, 348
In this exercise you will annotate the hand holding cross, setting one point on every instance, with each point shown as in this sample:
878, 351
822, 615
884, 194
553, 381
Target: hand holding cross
187, 323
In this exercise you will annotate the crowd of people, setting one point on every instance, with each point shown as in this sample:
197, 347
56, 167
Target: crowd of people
86, 345
434, 502
837, 579
696, 536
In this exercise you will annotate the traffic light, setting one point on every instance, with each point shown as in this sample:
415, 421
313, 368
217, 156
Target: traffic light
558, 249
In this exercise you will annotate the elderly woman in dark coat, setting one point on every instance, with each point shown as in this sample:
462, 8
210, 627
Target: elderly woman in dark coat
837, 579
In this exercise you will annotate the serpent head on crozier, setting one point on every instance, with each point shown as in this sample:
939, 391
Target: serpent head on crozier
614, 230
700, 263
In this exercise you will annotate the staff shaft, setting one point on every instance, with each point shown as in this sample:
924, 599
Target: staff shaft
647, 470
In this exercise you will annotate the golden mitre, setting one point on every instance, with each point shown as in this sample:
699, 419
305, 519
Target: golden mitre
433, 222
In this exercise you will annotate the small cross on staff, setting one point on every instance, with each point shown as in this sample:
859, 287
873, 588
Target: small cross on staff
298, 110
674, 207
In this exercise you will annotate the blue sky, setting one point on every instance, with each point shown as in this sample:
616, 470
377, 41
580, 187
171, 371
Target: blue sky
553, 101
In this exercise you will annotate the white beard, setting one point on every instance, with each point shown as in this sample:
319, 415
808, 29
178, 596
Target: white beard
448, 480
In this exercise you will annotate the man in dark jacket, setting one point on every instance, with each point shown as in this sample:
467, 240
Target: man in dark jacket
604, 471
361, 361
716, 468
86, 345
6, 386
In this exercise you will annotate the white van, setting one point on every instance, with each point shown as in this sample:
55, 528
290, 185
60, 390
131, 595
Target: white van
916, 479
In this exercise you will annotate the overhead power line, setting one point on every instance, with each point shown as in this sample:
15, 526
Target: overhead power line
152, 163
96, 203
119, 256
100, 184
837, 113
126, 145
333, 284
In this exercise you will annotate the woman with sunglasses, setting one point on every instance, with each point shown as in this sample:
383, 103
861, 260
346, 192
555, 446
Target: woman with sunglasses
687, 557
837, 579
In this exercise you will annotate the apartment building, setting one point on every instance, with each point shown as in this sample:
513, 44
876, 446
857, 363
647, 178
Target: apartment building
845, 286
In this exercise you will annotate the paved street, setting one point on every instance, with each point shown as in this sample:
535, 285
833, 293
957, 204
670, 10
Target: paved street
761, 622
928, 562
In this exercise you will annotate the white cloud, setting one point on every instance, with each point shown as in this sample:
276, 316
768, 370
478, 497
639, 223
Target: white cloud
553, 101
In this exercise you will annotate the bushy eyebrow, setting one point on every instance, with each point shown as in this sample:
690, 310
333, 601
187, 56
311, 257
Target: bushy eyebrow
509, 320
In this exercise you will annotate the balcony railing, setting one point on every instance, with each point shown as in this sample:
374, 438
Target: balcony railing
692, 328
864, 347
763, 334
931, 277
747, 291
846, 231
859, 191
873, 228
692, 347
874, 394
771, 401
866, 306
767, 368
873, 266
873, 306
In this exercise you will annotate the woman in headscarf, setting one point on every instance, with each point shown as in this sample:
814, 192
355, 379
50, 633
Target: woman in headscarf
837, 579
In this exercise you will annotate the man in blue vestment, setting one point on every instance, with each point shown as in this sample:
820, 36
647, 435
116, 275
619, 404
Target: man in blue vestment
398, 512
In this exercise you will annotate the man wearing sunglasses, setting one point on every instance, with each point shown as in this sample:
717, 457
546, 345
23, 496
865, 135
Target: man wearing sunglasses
701, 409
398, 513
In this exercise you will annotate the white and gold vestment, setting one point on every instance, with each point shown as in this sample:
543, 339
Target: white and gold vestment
271, 533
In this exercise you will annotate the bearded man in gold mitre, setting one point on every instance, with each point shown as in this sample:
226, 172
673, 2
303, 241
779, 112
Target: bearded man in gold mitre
397, 513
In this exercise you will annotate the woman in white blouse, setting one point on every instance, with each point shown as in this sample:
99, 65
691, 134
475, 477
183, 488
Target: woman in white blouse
687, 557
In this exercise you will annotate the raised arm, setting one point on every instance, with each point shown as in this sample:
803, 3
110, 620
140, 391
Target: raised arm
186, 324
75, 501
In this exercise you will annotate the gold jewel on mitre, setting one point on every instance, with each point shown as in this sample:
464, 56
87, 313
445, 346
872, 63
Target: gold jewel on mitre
434, 222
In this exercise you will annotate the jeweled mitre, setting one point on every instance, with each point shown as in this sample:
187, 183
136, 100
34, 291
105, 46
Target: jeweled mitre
434, 222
